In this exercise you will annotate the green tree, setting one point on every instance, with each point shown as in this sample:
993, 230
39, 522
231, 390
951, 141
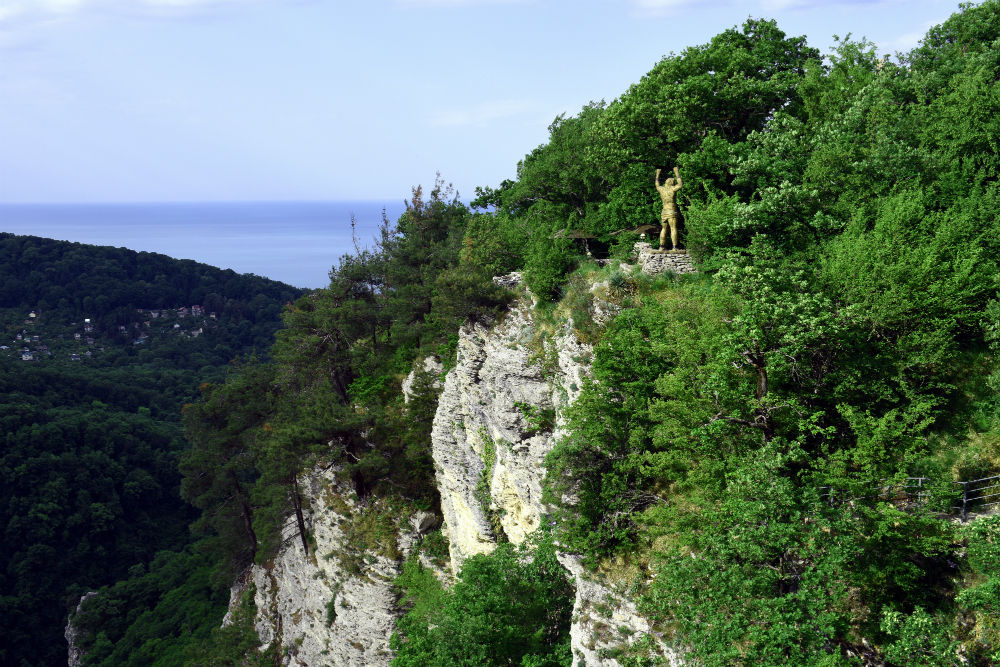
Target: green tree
511, 607
220, 470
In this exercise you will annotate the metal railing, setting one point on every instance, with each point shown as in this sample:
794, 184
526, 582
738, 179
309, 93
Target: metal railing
976, 491
916, 491
910, 490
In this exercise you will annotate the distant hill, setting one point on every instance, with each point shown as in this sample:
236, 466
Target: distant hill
49, 289
61, 275
91, 390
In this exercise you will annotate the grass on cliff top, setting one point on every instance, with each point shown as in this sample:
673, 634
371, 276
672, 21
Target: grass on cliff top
591, 286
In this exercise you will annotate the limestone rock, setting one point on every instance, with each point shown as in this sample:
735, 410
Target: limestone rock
423, 521
510, 281
75, 653
603, 311
293, 591
605, 621
503, 400
507, 382
500, 412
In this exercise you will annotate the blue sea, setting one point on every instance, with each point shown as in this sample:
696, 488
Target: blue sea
294, 242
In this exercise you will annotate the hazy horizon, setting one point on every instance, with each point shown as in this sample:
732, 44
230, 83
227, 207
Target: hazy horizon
293, 242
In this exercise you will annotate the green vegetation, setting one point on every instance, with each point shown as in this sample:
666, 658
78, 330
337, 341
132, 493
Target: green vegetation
67, 281
89, 479
237, 644
135, 308
836, 337
89, 490
153, 618
512, 607
721, 462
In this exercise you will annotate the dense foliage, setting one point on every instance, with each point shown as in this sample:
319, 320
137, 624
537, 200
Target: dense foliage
595, 174
512, 607
89, 479
727, 462
842, 336
76, 280
153, 618
89, 489
63, 283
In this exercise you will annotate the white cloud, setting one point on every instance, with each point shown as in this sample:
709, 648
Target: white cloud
29, 11
481, 114
911, 39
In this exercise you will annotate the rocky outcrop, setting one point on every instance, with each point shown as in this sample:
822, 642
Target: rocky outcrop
322, 611
606, 623
497, 418
430, 365
500, 412
76, 653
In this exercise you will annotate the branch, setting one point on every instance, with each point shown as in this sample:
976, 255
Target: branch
735, 420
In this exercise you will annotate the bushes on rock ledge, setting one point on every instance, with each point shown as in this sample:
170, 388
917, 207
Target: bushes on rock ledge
511, 607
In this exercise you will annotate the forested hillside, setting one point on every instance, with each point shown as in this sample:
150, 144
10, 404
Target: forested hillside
728, 458
89, 480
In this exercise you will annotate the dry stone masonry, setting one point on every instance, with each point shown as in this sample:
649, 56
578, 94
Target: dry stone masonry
653, 262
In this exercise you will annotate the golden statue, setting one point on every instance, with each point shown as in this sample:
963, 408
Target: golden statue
669, 215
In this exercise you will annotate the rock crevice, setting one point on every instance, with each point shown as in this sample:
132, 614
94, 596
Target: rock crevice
500, 413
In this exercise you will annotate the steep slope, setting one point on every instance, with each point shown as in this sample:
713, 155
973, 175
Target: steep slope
499, 414
330, 607
496, 420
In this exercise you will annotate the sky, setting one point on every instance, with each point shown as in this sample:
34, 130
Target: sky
320, 100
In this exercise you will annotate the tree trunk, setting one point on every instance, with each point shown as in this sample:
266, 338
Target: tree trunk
247, 514
339, 385
297, 501
764, 416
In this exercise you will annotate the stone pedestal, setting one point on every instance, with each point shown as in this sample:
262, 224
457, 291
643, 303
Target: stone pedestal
653, 262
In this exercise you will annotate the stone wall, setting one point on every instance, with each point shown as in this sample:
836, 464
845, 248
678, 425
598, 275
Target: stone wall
653, 262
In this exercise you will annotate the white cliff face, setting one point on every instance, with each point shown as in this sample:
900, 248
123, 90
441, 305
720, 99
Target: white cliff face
76, 654
483, 440
497, 418
294, 590
606, 623
499, 414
